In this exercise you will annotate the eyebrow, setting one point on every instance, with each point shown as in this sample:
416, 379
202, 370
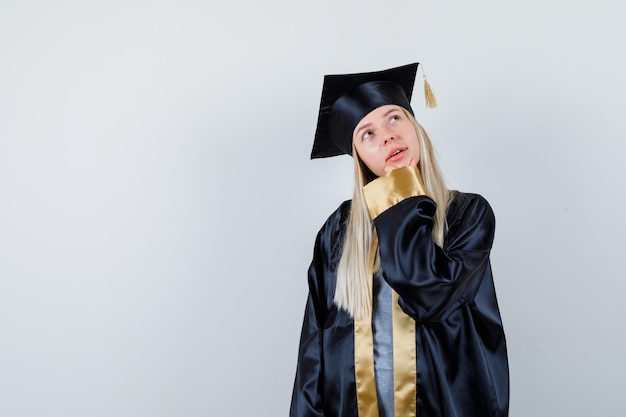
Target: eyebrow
387, 113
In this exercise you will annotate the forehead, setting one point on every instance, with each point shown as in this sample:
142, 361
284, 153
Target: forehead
378, 113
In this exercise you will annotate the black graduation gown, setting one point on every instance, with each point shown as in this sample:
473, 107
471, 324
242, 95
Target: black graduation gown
462, 368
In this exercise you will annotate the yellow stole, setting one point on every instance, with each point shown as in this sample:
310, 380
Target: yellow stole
380, 195
404, 361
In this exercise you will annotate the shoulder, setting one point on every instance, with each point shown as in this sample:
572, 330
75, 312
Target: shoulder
338, 218
335, 225
331, 235
468, 204
469, 214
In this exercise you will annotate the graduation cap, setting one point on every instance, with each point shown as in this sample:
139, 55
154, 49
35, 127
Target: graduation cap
347, 98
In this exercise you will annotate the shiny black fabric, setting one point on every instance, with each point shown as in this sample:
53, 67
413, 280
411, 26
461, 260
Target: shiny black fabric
462, 368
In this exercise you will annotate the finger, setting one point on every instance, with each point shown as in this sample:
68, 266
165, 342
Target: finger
389, 168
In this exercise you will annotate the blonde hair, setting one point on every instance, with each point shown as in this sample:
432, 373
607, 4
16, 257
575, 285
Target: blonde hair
353, 289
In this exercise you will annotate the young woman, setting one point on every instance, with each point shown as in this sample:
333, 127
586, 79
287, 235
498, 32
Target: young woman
401, 318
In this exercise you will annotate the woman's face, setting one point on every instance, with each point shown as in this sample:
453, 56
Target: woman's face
385, 139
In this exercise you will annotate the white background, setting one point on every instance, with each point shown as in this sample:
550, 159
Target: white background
158, 206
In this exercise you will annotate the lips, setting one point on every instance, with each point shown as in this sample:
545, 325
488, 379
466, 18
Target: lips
395, 154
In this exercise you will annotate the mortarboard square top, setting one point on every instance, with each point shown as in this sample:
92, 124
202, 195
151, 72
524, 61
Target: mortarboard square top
347, 98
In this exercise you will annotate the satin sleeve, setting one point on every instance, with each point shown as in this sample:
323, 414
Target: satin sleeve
432, 281
307, 397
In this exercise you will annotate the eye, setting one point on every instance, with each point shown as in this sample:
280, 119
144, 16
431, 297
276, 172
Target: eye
394, 118
367, 135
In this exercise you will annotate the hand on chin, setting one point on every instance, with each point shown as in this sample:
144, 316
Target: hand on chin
391, 167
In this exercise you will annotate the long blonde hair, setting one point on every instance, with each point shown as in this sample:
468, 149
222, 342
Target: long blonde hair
353, 289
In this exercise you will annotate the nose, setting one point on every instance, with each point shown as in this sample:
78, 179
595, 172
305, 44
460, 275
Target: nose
387, 136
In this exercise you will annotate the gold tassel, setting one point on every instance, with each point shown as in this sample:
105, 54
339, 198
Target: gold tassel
431, 101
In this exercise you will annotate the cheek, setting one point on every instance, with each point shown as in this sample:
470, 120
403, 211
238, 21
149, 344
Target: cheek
363, 152
370, 159
417, 153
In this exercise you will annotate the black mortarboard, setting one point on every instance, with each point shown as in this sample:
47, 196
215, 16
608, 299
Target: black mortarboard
347, 98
